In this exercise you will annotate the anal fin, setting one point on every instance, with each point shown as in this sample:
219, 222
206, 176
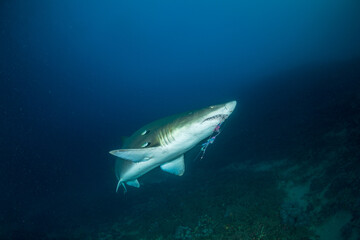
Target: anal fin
133, 183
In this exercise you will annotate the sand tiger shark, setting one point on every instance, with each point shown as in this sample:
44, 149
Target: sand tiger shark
164, 142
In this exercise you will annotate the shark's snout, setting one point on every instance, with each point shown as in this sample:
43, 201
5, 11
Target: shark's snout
221, 112
230, 106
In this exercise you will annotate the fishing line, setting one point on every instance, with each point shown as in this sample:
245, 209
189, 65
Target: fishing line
209, 141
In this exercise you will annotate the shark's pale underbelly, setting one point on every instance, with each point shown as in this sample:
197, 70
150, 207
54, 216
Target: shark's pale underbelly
140, 168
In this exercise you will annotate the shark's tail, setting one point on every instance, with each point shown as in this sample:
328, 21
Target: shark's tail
118, 185
121, 166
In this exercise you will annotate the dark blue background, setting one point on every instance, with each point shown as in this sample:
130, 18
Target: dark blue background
76, 76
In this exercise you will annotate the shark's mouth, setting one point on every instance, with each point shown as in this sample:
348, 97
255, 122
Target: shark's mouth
221, 117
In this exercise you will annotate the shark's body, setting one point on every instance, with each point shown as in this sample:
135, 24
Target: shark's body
164, 142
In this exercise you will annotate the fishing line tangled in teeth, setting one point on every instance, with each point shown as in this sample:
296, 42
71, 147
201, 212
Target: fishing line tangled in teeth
210, 140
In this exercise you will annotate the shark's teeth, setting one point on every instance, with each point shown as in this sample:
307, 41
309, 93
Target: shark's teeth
218, 116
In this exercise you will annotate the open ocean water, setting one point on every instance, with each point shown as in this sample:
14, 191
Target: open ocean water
77, 77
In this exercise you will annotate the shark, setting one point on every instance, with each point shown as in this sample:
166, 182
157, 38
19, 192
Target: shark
164, 142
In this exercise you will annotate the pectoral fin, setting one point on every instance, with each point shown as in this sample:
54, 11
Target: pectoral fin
136, 154
176, 166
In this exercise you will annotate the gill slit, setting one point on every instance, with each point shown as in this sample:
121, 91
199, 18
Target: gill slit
166, 137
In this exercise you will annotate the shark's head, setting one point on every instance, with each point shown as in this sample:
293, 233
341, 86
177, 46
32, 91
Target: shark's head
203, 122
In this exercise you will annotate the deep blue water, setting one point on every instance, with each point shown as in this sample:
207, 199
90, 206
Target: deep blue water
77, 76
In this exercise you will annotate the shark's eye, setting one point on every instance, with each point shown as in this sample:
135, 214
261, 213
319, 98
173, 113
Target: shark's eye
146, 144
145, 132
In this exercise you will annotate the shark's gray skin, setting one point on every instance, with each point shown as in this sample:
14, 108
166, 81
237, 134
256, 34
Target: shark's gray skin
164, 142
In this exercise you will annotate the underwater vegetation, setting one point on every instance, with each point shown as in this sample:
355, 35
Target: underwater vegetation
293, 214
217, 211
